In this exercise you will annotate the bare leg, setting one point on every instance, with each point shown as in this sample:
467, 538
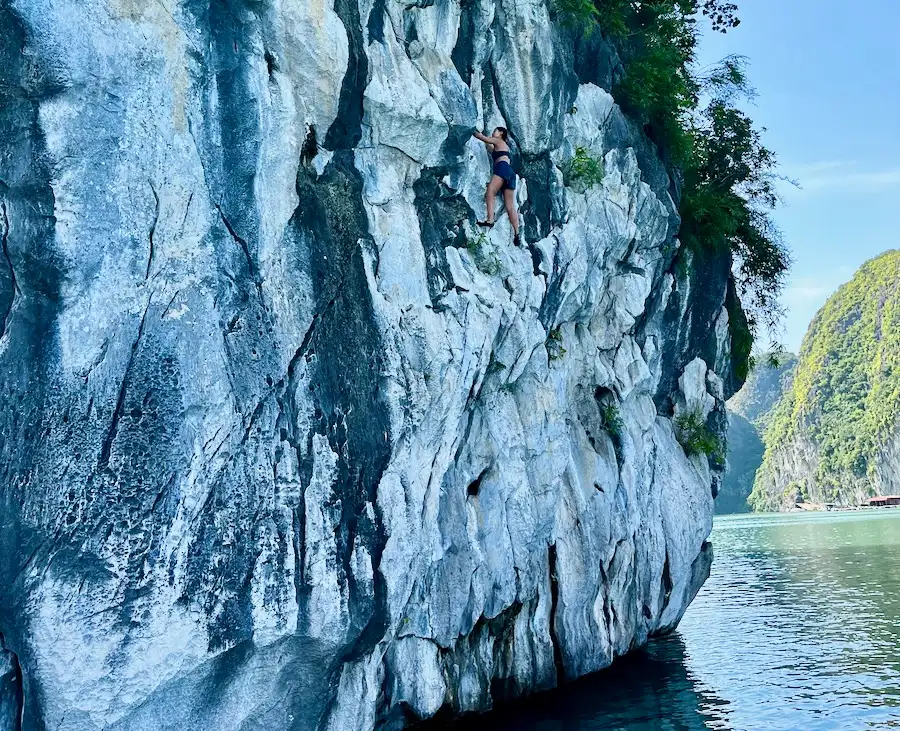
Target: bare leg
491, 193
509, 198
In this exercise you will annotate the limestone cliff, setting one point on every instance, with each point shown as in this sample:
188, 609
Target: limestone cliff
285, 442
749, 413
834, 437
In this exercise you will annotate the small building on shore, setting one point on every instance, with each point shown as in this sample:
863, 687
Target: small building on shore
884, 501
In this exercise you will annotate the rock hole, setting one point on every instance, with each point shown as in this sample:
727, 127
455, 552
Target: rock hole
603, 394
475, 486
667, 583
310, 147
271, 64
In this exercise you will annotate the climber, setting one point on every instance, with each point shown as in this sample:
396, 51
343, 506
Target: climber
503, 180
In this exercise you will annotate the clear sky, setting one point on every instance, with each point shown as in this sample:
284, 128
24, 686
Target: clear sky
828, 77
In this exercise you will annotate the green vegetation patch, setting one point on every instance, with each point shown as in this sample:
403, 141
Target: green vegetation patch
845, 395
584, 170
485, 258
554, 344
612, 420
696, 437
728, 175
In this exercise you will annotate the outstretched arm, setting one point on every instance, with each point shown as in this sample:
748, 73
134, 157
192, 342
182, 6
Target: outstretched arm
487, 140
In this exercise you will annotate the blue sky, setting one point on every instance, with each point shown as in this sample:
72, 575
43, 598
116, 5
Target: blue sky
828, 77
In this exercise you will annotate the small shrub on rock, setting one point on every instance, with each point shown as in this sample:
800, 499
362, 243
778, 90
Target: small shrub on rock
583, 170
696, 437
612, 420
485, 259
554, 344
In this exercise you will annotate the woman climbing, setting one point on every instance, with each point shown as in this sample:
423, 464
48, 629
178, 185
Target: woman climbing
503, 179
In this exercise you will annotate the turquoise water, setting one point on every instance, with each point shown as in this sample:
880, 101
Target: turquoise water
798, 627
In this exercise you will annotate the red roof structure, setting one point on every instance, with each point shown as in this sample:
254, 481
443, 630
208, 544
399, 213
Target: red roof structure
883, 501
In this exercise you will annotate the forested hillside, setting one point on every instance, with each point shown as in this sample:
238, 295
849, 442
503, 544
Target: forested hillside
833, 437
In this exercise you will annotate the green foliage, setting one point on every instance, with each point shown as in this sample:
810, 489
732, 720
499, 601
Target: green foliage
729, 192
778, 358
554, 344
728, 189
659, 88
749, 412
696, 437
767, 383
583, 170
657, 42
613, 17
579, 14
495, 366
485, 258
477, 242
845, 395
612, 420
721, 13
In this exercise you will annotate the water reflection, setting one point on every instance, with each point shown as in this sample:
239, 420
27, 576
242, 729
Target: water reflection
648, 690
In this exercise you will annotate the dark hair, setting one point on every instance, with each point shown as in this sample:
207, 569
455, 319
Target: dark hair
504, 133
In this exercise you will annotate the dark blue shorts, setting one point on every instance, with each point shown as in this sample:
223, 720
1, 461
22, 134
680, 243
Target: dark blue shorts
505, 171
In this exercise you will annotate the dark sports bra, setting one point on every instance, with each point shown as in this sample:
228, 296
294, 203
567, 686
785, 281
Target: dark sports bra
497, 154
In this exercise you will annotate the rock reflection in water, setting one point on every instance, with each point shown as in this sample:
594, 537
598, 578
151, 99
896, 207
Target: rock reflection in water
798, 627
650, 689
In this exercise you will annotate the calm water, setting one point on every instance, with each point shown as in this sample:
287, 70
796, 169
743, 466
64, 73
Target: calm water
797, 628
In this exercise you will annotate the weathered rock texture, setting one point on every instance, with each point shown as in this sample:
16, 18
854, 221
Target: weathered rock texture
284, 443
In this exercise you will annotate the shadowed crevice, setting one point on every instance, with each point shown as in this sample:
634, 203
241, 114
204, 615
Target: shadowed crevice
153, 231
554, 609
345, 365
106, 448
345, 131
8, 297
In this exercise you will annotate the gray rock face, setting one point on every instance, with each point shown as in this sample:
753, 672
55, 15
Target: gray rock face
286, 443
749, 413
